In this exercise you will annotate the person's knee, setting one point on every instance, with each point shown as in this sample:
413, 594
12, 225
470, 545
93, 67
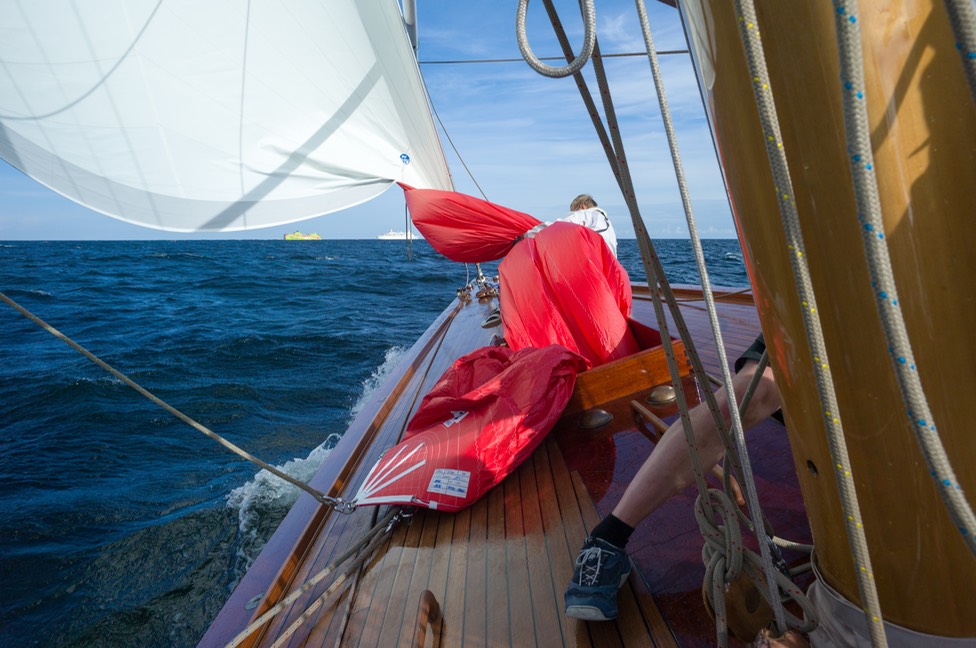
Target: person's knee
765, 399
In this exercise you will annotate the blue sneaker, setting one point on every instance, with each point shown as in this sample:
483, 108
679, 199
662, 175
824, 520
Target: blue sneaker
601, 570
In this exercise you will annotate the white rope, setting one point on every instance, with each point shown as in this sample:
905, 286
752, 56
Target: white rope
589, 39
738, 434
364, 547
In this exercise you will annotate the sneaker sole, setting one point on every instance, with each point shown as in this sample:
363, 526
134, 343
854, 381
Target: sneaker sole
587, 613
592, 613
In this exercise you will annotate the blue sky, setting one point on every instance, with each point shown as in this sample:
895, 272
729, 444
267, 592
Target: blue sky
526, 139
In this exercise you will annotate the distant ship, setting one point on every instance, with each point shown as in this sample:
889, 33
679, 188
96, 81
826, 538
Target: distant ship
298, 236
397, 236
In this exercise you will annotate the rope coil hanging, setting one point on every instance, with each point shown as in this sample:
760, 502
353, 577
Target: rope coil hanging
589, 41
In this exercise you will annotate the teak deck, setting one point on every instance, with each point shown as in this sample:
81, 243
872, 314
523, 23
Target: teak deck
494, 574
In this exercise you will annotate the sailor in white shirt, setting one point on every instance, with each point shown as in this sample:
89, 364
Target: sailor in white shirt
584, 211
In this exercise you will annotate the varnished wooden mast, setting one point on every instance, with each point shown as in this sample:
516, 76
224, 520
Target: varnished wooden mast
924, 138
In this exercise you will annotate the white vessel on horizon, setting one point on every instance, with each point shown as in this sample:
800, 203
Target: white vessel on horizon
394, 235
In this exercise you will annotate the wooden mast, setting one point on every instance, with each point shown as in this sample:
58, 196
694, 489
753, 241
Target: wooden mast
923, 125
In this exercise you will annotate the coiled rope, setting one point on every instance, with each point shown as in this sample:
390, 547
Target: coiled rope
749, 31
589, 42
882, 276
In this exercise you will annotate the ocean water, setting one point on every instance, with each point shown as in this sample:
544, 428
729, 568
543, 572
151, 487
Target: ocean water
121, 525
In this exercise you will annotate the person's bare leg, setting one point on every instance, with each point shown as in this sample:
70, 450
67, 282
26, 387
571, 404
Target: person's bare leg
668, 469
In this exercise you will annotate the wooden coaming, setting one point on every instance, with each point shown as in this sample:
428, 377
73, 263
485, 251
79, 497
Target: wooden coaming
497, 570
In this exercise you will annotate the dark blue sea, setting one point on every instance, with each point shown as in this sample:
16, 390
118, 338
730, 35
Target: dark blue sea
121, 525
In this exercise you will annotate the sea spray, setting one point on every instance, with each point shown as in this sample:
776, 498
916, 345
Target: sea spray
262, 502
390, 361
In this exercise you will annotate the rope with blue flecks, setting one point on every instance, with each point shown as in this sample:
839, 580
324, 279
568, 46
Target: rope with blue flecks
962, 18
746, 12
882, 277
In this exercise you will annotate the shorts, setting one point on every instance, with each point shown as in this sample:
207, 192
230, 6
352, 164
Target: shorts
754, 352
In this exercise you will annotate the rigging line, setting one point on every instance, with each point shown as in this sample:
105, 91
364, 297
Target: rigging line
364, 543
456, 152
338, 503
737, 433
653, 268
408, 229
548, 58
745, 11
353, 568
871, 221
962, 17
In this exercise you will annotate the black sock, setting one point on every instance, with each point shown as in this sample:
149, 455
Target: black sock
613, 530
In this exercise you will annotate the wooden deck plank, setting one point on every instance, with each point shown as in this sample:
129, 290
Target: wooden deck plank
383, 574
476, 578
454, 602
562, 555
420, 577
441, 561
522, 620
399, 600
500, 593
544, 602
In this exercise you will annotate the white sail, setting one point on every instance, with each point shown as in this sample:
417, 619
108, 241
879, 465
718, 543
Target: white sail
191, 115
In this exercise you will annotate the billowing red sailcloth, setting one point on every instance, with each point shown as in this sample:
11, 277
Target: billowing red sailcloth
566, 287
486, 415
464, 228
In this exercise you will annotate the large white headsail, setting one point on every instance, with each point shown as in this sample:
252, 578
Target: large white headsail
190, 115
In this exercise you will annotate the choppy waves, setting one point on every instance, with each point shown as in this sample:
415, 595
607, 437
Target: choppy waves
120, 525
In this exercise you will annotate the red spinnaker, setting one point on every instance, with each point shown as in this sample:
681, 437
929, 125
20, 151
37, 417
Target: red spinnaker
564, 286
464, 228
486, 415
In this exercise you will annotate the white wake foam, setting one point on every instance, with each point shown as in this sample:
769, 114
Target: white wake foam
262, 502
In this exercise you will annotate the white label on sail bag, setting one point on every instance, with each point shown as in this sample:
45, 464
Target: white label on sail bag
450, 482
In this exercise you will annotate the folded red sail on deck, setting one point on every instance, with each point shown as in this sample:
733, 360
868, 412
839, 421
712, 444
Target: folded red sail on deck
464, 228
564, 286
486, 415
